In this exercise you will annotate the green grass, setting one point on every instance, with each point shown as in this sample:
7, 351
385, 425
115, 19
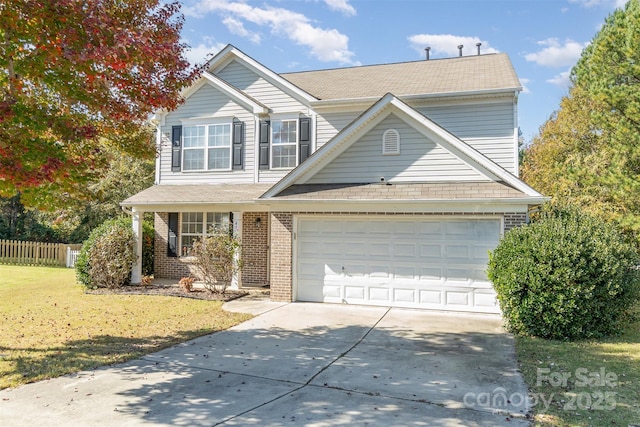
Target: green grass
50, 327
585, 398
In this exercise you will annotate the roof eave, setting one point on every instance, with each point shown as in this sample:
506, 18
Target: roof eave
326, 103
495, 205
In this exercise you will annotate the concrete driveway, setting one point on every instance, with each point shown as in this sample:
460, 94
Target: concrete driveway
300, 364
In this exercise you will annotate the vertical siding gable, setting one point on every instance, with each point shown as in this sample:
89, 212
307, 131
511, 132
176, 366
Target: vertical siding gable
420, 160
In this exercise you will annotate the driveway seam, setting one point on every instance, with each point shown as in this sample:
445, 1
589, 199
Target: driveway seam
341, 355
492, 411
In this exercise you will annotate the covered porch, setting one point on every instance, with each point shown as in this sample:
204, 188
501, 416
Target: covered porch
182, 212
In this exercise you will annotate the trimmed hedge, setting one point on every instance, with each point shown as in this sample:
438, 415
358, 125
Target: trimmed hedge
566, 276
110, 236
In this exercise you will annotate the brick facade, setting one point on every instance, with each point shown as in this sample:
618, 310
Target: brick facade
255, 248
255, 241
512, 220
264, 266
281, 254
165, 266
282, 243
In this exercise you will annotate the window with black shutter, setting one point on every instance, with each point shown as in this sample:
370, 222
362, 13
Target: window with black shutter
263, 156
172, 238
305, 139
238, 145
176, 148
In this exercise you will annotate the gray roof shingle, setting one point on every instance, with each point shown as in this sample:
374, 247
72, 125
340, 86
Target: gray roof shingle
197, 194
436, 76
403, 191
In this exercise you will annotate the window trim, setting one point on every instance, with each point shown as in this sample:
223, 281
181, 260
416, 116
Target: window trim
296, 143
205, 228
207, 124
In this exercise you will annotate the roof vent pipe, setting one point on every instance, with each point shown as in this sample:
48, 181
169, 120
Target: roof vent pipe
478, 46
460, 49
427, 49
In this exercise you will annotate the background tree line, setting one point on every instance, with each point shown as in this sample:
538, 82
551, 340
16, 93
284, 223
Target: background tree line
71, 219
588, 152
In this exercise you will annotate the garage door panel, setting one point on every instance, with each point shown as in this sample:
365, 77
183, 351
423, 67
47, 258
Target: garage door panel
404, 250
432, 250
355, 292
406, 272
428, 263
379, 294
379, 249
356, 249
457, 253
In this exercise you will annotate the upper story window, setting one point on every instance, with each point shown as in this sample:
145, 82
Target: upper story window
284, 144
206, 147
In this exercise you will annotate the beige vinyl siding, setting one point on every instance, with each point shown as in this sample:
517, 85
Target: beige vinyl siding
420, 160
329, 124
487, 127
260, 89
207, 101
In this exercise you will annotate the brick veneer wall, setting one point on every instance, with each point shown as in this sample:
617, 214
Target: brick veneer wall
512, 220
281, 279
281, 254
255, 249
165, 266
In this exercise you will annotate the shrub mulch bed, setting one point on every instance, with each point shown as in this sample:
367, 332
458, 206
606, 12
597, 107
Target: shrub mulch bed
172, 291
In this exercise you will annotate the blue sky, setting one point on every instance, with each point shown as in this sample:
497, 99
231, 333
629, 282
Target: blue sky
543, 38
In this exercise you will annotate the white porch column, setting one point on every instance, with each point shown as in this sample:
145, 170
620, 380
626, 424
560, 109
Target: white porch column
136, 270
236, 282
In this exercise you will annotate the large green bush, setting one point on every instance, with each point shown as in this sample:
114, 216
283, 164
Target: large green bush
107, 247
567, 275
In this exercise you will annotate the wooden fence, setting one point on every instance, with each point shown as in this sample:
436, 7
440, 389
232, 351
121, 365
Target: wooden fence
37, 253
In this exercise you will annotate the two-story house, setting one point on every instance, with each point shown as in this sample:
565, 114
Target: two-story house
383, 185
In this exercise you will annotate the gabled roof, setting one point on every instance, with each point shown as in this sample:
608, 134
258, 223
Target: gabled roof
230, 52
375, 114
235, 94
460, 75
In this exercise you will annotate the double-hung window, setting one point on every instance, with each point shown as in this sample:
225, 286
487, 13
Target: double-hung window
195, 225
207, 147
284, 144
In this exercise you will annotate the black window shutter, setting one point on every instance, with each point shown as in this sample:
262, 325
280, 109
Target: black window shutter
172, 241
176, 143
238, 145
305, 139
265, 131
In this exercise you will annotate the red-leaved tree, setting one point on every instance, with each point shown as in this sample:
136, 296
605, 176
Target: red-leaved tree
78, 74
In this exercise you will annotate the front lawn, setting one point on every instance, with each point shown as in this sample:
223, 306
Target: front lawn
589, 383
50, 327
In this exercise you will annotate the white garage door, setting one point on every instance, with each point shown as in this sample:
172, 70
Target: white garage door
435, 263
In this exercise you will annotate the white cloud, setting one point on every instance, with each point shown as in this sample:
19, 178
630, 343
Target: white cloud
341, 6
447, 45
203, 51
563, 79
593, 3
327, 45
525, 88
237, 27
555, 54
